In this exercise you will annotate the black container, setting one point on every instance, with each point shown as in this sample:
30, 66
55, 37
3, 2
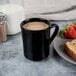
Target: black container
36, 43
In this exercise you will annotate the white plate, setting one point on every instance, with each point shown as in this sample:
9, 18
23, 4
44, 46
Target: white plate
59, 47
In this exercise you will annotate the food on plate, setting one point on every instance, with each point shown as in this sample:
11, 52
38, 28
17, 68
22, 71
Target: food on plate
70, 48
68, 31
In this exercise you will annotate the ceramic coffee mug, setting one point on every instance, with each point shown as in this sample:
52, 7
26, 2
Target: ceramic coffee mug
36, 41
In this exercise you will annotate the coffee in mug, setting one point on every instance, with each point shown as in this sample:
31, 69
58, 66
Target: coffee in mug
36, 37
35, 26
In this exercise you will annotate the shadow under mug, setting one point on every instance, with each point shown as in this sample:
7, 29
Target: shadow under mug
36, 43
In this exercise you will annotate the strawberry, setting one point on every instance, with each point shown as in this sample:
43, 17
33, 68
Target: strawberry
70, 33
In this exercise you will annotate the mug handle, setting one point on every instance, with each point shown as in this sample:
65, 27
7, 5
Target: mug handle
55, 31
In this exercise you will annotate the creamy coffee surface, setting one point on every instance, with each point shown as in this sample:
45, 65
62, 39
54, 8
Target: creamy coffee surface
36, 26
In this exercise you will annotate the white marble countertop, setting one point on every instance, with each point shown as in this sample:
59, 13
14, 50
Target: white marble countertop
13, 62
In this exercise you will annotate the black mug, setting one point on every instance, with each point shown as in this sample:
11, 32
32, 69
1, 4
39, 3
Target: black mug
36, 43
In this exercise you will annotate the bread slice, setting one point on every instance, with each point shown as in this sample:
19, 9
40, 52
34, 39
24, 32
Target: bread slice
70, 48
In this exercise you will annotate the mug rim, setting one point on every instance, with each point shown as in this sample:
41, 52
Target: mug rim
34, 20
